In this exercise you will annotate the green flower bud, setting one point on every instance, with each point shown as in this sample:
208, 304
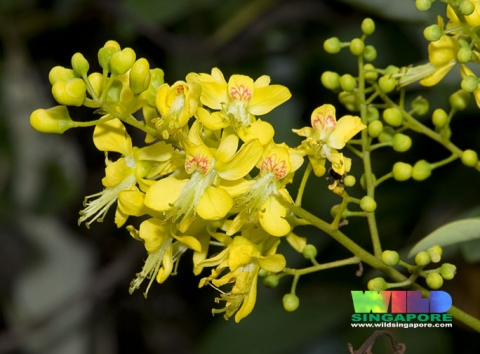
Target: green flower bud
466, 7
459, 100
105, 54
423, 5
156, 80
469, 158
309, 251
271, 281
393, 116
53, 120
349, 181
375, 128
420, 105
421, 170
401, 142
391, 69
332, 45
387, 83
80, 64
422, 258
262, 273
402, 171
59, 73
469, 83
432, 33
435, 253
439, 118
70, 93
370, 73
368, 26
464, 54
448, 271
370, 53
372, 114
377, 284
139, 77
387, 134
331, 80
96, 81
114, 92
290, 302
434, 281
122, 61
368, 204
347, 82
347, 98
363, 182
357, 46
390, 258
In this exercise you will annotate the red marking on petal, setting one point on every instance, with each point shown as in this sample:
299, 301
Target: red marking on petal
197, 162
322, 123
271, 164
240, 93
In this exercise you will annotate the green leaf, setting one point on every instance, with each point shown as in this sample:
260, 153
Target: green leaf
449, 234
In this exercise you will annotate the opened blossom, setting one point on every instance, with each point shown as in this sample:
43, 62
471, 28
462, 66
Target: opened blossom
326, 136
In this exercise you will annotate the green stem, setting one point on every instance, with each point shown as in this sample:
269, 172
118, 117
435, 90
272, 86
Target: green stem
301, 189
318, 267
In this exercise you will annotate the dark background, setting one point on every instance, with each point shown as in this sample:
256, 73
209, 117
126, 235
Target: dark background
64, 288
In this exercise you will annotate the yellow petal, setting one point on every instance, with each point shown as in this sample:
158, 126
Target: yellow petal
297, 242
249, 301
227, 148
242, 163
237, 187
240, 88
160, 151
112, 136
162, 195
272, 217
214, 89
116, 172
190, 241
267, 98
345, 129
438, 75
153, 232
131, 202
167, 265
274, 263
318, 166
262, 81
323, 118
214, 204
214, 121
260, 130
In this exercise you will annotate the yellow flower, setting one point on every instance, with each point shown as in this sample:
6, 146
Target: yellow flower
202, 194
244, 259
134, 167
164, 249
442, 55
237, 102
259, 203
326, 136
464, 72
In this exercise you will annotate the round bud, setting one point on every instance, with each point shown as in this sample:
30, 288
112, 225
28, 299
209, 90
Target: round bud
402, 171
420, 105
370, 53
466, 7
387, 83
459, 100
139, 77
114, 92
432, 33
370, 73
390, 258
434, 281
70, 93
422, 258
435, 253
375, 128
332, 45
290, 302
262, 273
349, 181
391, 69
53, 120
96, 81
331, 80
439, 118
363, 182
271, 281
469, 158
80, 64
59, 73
309, 251
156, 80
105, 54
469, 83
368, 204
448, 271
377, 284
368, 26
357, 46
387, 134
334, 210
372, 114
464, 54
421, 170
347, 98
393, 116
423, 5
401, 142
122, 61
347, 82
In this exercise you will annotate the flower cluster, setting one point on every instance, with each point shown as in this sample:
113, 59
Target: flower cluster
210, 174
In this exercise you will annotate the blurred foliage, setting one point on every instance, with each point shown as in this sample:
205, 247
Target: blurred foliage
279, 38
